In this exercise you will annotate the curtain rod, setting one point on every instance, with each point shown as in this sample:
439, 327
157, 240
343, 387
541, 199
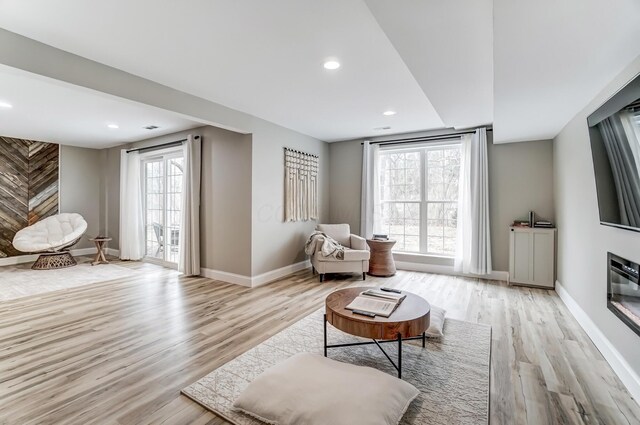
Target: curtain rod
163, 145
304, 153
423, 138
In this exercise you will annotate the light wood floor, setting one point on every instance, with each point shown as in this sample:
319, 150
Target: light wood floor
120, 352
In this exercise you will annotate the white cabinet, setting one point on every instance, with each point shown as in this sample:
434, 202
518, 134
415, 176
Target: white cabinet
532, 256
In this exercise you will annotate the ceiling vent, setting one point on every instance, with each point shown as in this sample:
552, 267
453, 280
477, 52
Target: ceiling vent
150, 127
382, 128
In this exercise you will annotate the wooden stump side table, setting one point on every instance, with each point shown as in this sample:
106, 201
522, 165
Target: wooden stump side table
100, 258
381, 262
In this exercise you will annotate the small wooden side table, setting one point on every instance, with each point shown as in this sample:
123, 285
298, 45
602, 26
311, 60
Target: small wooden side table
381, 262
100, 258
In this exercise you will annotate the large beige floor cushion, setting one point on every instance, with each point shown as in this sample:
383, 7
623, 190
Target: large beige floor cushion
356, 252
312, 390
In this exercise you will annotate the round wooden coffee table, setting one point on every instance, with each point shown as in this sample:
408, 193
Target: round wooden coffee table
409, 321
381, 261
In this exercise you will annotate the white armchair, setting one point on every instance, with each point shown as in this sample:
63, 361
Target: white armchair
356, 253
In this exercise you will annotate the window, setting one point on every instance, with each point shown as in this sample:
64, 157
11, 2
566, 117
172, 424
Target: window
419, 198
162, 177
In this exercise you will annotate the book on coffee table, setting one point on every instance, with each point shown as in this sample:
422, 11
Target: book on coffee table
388, 296
378, 305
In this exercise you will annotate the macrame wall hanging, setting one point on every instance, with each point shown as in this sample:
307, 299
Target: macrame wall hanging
300, 186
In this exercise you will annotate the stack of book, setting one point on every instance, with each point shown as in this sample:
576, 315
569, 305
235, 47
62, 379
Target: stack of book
376, 302
380, 237
543, 223
521, 223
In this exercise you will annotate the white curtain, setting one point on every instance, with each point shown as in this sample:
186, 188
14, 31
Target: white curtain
619, 144
189, 261
473, 249
370, 206
131, 216
632, 131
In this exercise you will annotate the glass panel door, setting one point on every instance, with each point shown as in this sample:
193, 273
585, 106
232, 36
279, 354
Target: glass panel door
174, 207
162, 206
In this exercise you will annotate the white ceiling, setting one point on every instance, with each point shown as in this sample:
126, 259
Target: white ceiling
260, 57
526, 67
52, 111
448, 47
551, 58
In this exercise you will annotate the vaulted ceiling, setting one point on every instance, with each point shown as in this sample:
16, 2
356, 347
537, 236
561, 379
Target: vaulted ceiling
525, 67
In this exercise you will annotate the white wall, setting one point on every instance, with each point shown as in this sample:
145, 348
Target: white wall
80, 175
520, 179
345, 183
583, 243
276, 244
243, 231
225, 204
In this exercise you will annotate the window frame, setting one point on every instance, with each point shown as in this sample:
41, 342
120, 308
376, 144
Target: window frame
424, 184
164, 156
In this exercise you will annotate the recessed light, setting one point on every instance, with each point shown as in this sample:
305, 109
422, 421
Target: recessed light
389, 113
5, 105
113, 126
331, 65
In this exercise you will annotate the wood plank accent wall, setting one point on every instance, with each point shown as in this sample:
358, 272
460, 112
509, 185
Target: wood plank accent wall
28, 186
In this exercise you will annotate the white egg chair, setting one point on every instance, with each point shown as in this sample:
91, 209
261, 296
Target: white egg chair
52, 237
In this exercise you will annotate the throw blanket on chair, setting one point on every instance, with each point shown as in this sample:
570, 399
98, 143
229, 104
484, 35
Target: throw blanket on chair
329, 246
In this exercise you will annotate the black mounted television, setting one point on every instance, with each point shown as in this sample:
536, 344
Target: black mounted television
614, 132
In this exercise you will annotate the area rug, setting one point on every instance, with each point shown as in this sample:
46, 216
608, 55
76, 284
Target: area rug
452, 373
20, 281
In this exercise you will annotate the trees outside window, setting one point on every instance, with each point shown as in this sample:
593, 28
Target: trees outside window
419, 198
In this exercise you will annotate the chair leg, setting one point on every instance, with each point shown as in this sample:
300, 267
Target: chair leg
313, 270
321, 277
364, 276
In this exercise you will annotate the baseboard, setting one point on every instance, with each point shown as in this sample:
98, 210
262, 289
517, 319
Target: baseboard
620, 366
237, 279
21, 259
83, 251
276, 274
448, 270
255, 281
112, 251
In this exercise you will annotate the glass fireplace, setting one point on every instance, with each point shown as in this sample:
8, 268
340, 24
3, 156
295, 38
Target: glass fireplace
623, 297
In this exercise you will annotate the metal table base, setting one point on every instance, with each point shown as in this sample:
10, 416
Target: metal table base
398, 340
